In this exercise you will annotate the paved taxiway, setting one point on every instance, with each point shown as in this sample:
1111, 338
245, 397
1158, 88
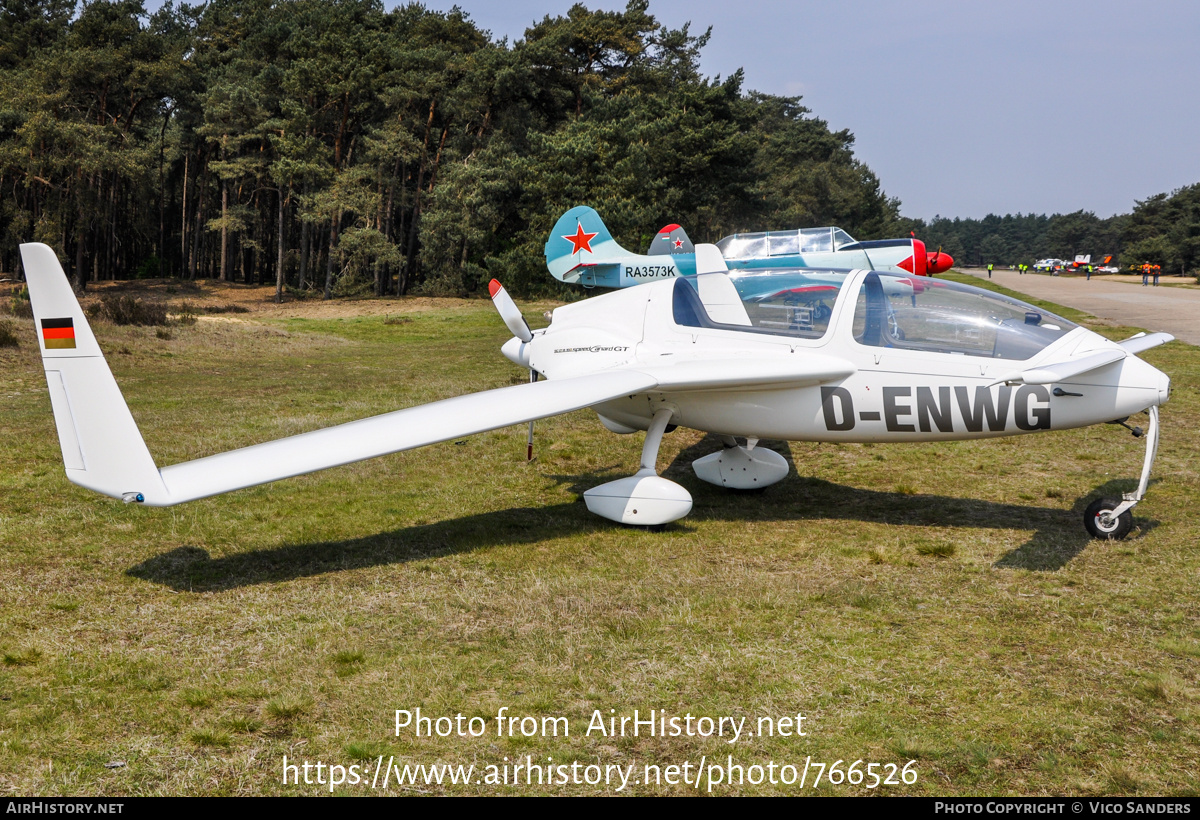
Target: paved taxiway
1118, 298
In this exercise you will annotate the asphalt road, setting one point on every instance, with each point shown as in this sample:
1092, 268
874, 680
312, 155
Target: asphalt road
1118, 298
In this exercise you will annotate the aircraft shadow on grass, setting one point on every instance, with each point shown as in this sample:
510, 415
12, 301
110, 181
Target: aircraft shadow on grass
1057, 536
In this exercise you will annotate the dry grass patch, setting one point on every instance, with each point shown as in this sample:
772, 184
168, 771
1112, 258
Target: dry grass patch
367, 751
287, 709
1178, 647
211, 738
22, 657
241, 724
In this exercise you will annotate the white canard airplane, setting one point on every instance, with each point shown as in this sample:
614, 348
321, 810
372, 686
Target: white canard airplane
862, 356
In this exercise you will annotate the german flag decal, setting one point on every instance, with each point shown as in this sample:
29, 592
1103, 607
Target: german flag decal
58, 334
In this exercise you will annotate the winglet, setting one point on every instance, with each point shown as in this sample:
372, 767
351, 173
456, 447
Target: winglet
101, 446
1141, 342
710, 260
1061, 371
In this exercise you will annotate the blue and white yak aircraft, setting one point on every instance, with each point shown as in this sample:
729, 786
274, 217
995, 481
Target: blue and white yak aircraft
580, 250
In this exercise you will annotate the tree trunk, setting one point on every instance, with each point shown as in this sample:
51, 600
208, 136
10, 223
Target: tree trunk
224, 223
388, 218
437, 160
80, 240
333, 231
183, 243
304, 243
279, 253
198, 232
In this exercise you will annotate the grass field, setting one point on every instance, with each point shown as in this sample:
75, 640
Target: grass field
937, 603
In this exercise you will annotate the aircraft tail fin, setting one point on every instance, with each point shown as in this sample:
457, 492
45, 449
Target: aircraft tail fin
578, 241
671, 239
102, 448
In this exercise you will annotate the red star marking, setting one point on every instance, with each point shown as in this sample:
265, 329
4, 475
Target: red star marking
678, 243
581, 240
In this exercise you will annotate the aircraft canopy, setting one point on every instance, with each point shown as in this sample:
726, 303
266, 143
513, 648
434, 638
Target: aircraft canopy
946, 317
780, 303
783, 243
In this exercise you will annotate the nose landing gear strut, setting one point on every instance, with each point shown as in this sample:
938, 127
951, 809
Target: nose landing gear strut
1112, 519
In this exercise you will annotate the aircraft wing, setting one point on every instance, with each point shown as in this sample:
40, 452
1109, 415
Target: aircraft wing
1137, 343
393, 432
767, 373
103, 449
1061, 371
477, 413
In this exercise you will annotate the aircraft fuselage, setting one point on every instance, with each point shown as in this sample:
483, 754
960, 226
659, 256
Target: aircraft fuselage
891, 395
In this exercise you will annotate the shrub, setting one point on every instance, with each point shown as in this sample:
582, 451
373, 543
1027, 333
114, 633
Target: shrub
8, 334
151, 268
126, 310
296, 293
350, 284
19, 304
185, 314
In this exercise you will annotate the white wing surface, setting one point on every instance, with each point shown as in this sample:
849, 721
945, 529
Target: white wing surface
393, 432
104, 451
1061, 371
773, 372
1141, 342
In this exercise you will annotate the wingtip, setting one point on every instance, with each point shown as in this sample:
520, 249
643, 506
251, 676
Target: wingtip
494, 287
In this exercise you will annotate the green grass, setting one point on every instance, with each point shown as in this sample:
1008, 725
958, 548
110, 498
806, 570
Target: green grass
936, 602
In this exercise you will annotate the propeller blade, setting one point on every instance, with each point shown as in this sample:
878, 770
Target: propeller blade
509, 312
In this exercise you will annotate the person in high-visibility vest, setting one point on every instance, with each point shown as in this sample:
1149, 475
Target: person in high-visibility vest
989, 270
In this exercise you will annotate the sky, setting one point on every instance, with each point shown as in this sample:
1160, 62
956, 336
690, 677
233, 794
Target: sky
960, 107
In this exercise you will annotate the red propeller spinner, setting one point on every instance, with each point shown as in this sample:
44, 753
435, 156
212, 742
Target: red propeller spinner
925, 263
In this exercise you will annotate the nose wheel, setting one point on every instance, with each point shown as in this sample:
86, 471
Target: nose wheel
1100, 521
1111, 519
